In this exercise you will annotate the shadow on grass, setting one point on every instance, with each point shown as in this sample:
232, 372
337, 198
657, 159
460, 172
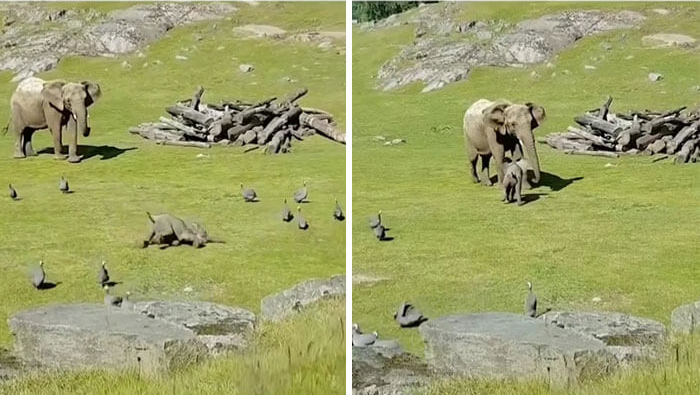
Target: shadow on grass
105, 152
556, 183
532, 197
48, 285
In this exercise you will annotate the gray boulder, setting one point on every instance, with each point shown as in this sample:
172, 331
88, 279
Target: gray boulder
40, 36
378, 370
628, 338
685, 319
94, 336
512, 346
220, 328
290, 301
436, 60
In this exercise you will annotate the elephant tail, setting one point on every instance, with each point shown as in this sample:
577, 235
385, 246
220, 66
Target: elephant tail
150, 217
7, 126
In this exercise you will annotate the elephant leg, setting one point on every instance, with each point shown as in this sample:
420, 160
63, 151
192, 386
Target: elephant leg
18, 130
518, 194
499, 157
485, 177
72, 134
473, 158
55, 127
27, 142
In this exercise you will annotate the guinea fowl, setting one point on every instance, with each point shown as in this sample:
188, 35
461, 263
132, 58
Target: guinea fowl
303, 225
38, 275
338, 212
376, 221
286, 213
126, 303
380, 232
360, 339
63, 185
409, 316
13, 193
249, 194
301, 194
103, 274
531, 302
111, 300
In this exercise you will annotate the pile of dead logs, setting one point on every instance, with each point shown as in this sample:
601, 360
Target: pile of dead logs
600, 132
270, 124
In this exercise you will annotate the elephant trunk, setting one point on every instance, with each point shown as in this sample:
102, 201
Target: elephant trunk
527, 138
80, 114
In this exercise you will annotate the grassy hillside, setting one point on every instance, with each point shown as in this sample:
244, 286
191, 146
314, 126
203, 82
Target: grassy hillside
625, 233
124, 176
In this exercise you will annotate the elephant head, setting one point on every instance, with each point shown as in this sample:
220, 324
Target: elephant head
72, 99
519, 121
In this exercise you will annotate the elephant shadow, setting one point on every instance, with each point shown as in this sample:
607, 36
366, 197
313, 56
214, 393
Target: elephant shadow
556, 183
531, 197
105, 152
48, 285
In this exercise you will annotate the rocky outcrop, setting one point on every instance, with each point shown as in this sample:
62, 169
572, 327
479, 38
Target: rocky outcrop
290, 301
512, 346
685, 319
446, 49
661, 40
220, 328
35, 37
629, 339
386, 369
96, 336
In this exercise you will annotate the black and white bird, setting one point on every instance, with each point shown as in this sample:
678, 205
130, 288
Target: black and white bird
380, 232
301, 194
338, 212
286, 213
303, 224
103, 274
111, 300
63, 185
249, 194
38, 275
376, 221
126, 303
531, 302
408, 316
13, 192
360, 339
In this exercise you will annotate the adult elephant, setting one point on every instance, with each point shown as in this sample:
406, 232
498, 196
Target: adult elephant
492, 128
57, 105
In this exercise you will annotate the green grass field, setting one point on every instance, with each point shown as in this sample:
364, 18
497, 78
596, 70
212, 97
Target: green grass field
125, 176
626, 233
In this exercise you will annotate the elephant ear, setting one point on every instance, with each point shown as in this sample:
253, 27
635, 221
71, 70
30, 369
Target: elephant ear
496, 116
537, 113
93, 92
52, 92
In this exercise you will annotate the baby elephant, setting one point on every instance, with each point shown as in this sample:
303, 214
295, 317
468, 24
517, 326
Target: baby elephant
168, 230
513, 181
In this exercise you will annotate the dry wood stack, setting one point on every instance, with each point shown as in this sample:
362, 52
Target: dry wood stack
270, 124
600, 132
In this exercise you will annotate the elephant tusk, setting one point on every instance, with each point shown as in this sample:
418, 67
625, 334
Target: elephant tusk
74, 117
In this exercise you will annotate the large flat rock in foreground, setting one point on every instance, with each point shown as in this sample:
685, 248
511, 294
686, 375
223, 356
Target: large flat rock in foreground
96, 336
221, 328
282, 305
512, 346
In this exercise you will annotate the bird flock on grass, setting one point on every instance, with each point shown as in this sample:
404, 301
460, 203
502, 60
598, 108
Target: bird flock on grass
62, 186
37, 274
408, 316
300, 196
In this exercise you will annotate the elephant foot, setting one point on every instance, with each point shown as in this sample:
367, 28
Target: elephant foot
59, 157
488, 183
75, 158
19, 155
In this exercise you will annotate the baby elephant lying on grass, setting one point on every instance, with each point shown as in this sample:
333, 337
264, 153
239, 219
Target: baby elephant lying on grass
513, 181
169, 230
